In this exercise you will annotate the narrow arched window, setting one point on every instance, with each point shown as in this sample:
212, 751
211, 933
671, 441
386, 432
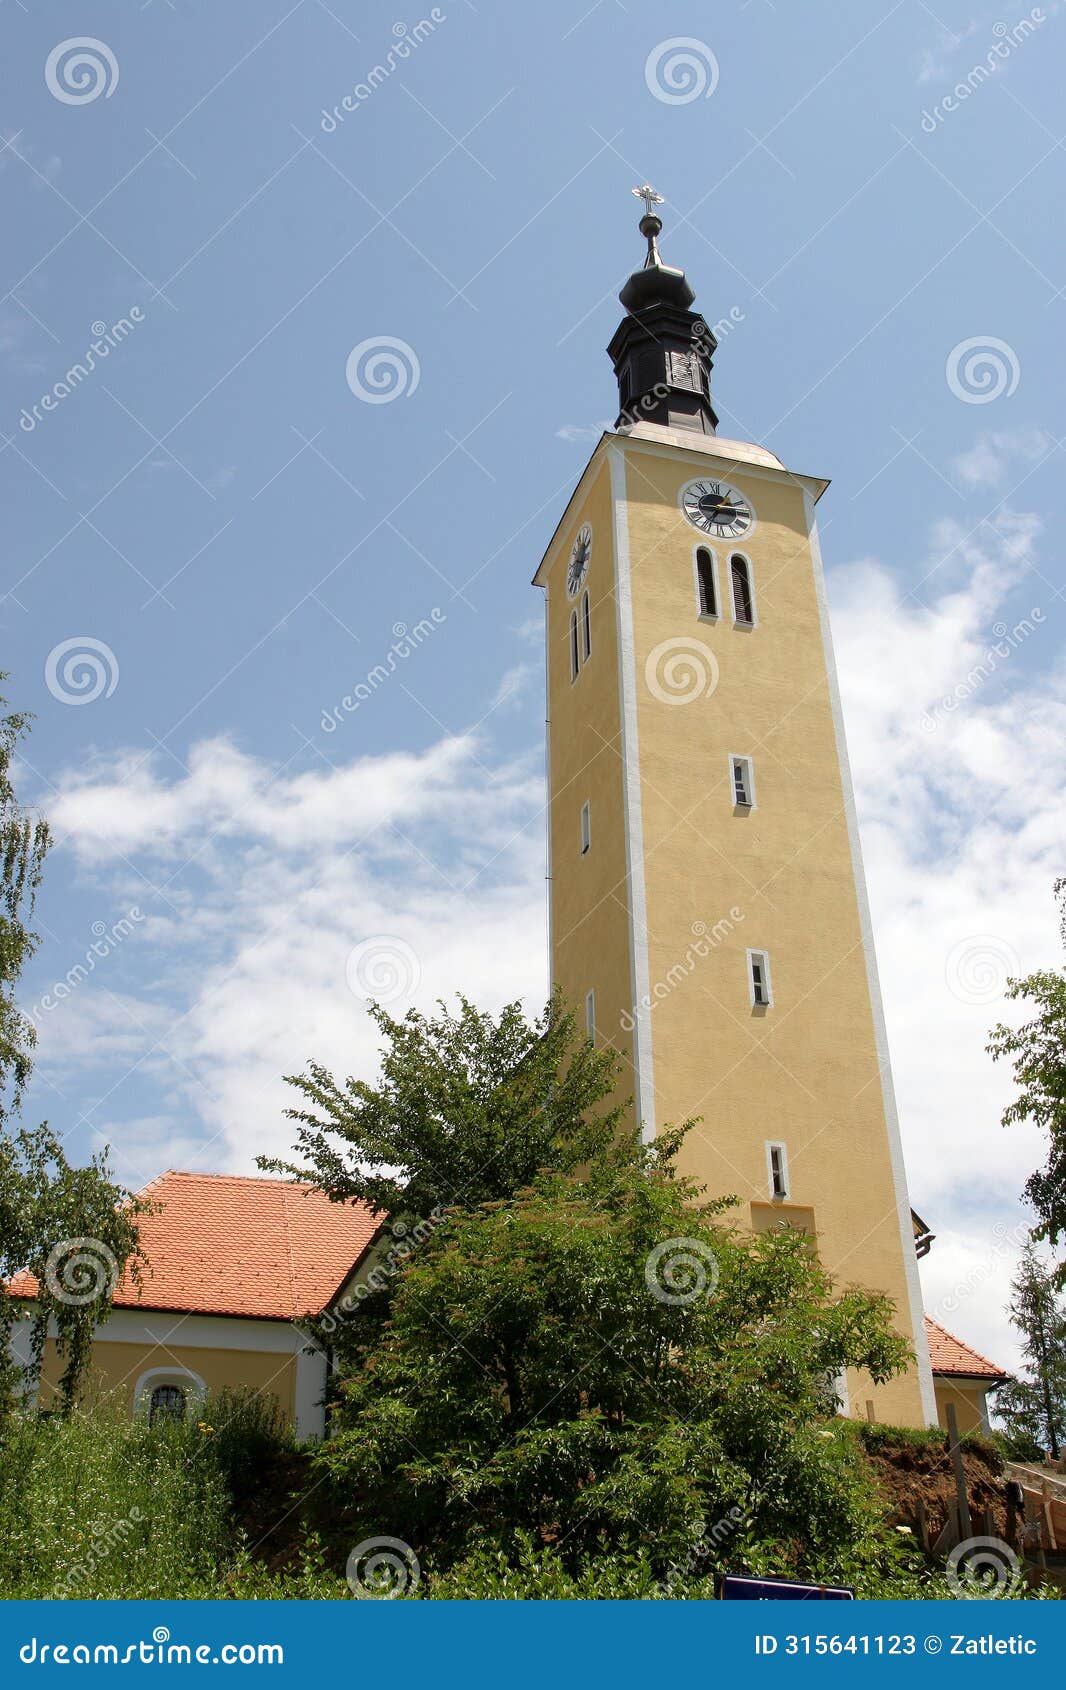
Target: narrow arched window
573, 645
586, 629
743, 598
707, 597
167, 1403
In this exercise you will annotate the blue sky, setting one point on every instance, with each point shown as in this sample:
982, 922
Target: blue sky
241, 534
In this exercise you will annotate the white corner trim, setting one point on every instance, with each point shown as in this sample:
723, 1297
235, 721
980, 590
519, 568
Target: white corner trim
549, 889
640, 977
310, 1413
895, 1142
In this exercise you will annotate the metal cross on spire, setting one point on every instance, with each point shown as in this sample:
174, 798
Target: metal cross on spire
650, 197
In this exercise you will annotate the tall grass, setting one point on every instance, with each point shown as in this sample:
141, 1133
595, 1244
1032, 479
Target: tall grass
98, 1506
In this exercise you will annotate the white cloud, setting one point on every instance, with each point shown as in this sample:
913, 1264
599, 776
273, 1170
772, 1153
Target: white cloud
962, 830
276, 879
572, 432
993, 456
935, 62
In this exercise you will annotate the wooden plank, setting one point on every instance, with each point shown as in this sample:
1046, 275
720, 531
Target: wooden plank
960, 1474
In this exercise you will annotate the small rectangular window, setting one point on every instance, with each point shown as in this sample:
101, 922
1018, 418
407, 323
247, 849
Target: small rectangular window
590, 1014
777, 1167
759, 979
586, 827
586, 629
743, 777
573, 646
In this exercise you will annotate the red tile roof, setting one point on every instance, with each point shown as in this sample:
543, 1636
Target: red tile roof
949, 1354
222, 1244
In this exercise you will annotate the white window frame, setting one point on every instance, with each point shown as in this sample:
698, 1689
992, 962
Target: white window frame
749, 781
584, 627
763, 958
734, 551
183, 1377
590, 1014
706, 615
773, 1145
586, 828
573, 634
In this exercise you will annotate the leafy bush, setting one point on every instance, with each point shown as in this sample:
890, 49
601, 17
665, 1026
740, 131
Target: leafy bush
602, 1363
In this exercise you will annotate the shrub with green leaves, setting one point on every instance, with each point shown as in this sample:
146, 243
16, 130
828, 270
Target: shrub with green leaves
603, 1364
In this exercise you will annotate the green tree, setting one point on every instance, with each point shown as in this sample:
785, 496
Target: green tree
1038, 1051
1033, 1408
602, 1362
24, 841
74, 1229
468, 1107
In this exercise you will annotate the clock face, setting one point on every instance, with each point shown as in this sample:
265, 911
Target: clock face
580, 557
716, 508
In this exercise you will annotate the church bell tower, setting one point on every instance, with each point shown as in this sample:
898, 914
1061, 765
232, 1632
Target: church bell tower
708, 908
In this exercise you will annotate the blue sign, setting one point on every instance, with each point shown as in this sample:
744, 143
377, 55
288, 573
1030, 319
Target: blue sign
740, 1587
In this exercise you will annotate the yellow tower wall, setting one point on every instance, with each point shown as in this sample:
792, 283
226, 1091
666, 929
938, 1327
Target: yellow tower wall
678, 885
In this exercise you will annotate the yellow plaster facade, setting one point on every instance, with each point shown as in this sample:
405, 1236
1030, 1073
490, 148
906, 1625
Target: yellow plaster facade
678, 884
118, 1368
